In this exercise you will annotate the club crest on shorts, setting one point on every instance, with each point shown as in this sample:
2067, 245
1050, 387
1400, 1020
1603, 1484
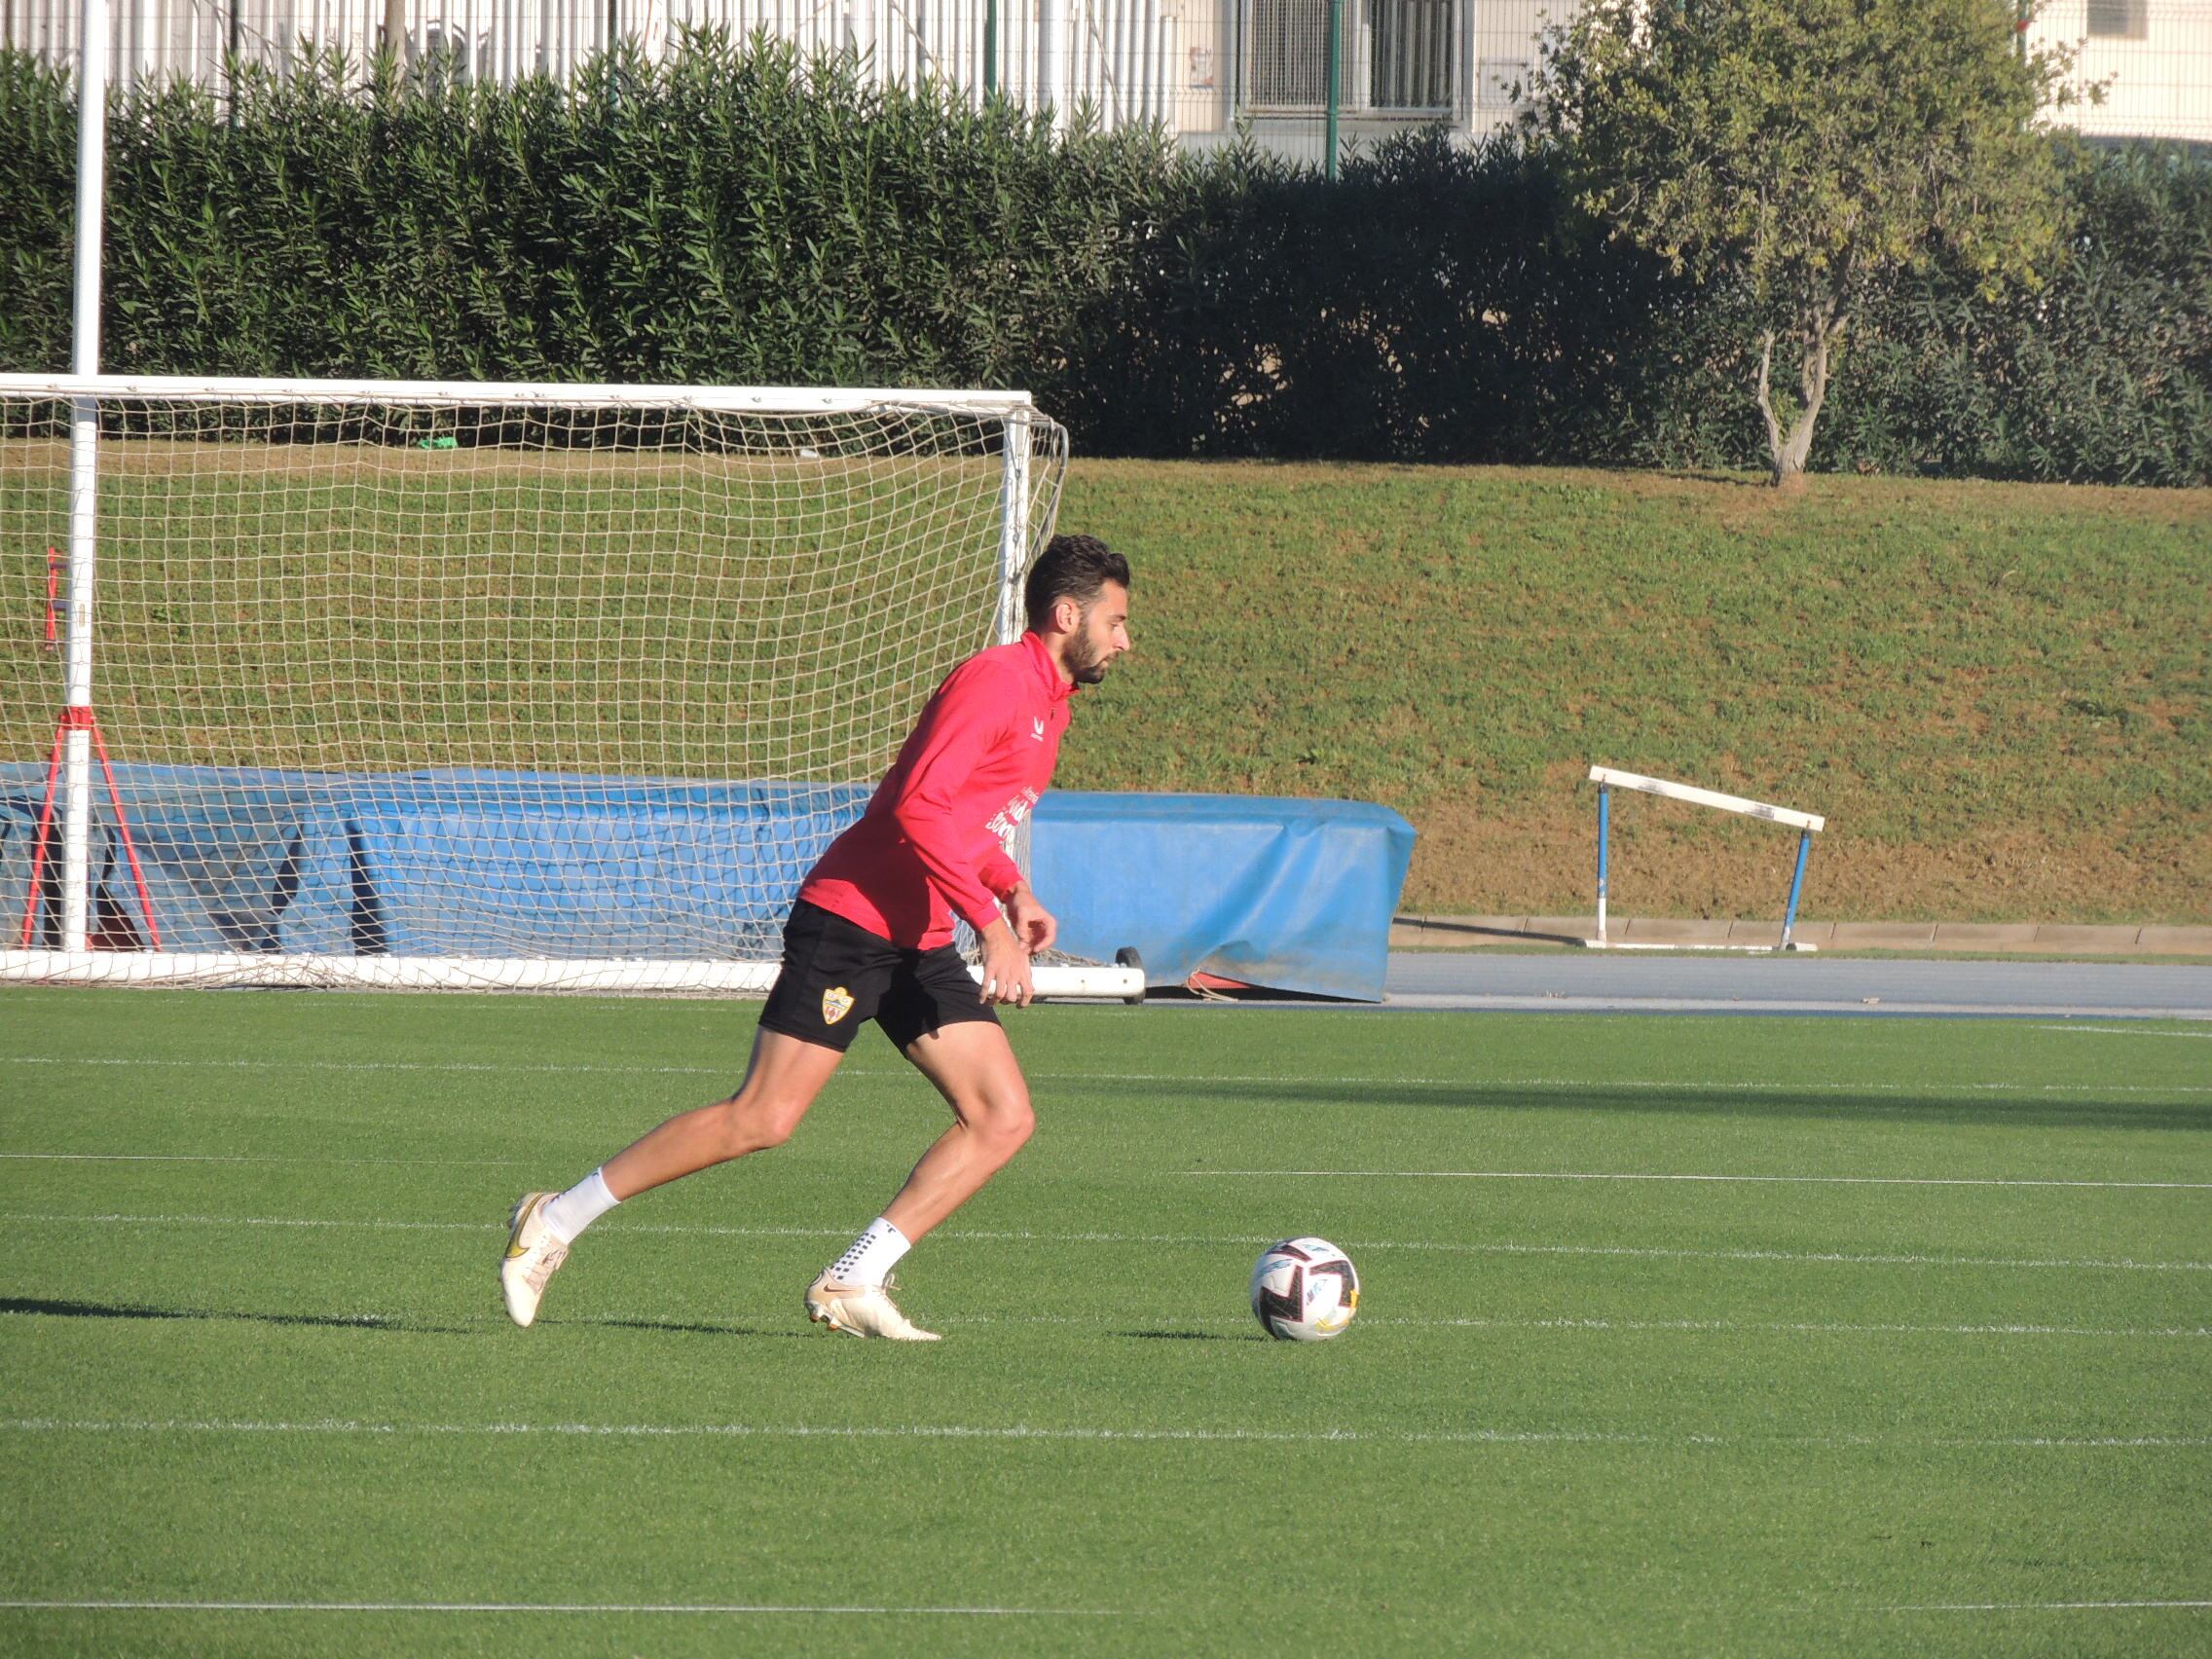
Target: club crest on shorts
837, 1003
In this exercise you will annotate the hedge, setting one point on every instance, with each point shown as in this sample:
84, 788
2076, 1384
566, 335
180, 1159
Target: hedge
734, 215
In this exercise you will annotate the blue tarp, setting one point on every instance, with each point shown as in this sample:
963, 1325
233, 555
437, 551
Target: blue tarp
448, 863
1295, 895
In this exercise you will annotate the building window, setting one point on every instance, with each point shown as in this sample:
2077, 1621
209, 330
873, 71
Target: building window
2120, 20
1397, 55
1410, 65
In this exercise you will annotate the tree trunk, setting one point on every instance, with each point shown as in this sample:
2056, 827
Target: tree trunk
1789, 444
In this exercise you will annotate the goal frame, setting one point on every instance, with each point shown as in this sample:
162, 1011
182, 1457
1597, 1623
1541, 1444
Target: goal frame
77, 963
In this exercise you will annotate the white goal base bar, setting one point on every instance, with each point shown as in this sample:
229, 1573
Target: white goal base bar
472, 973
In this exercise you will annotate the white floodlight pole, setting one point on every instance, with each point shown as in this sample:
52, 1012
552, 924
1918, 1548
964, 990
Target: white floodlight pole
83, 479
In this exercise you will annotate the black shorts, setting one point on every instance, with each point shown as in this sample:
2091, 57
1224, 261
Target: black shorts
837, 975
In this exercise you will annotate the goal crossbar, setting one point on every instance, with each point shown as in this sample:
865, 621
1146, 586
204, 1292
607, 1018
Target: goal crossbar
765, 400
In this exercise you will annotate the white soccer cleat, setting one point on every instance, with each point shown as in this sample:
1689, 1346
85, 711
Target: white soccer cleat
862, 1311
533, 1254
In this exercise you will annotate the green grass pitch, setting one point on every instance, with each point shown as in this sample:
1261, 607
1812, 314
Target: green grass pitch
1919, 1361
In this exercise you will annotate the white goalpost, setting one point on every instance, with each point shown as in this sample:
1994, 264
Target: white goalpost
489, 686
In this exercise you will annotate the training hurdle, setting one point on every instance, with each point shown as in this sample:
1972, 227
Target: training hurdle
1607, 778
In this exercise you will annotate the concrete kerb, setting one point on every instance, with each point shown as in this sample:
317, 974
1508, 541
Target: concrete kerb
1421, 931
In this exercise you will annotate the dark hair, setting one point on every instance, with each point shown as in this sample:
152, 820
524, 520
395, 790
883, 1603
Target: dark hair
1071, 566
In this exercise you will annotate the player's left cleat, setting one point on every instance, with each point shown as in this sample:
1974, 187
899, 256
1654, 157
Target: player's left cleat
533, 1254
862, 1311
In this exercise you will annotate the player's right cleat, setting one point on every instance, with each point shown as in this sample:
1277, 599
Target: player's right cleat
533, 1254
862, 1311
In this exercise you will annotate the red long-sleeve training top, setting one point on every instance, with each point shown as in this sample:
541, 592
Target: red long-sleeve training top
972, 768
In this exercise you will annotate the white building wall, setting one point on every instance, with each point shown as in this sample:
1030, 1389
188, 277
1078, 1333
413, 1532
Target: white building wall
2148, 62
1199, 66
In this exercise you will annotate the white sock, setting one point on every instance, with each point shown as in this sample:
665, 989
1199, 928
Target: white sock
579, 1208
871, 1256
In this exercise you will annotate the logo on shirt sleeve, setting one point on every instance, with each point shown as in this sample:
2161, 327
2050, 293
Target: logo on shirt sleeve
1037, 729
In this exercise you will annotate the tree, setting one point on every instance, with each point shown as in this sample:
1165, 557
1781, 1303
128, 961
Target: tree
1807, 150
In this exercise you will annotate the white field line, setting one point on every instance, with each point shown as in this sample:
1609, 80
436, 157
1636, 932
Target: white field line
1627, 1175
1220, 1174
2125, 1031
340, 1426
1723, 1327
2040, 1606
243, 1158
200, 1063
1474, 1084
739, 1609
625, 1608
1700, 1327
1204, 1240
1809, 1328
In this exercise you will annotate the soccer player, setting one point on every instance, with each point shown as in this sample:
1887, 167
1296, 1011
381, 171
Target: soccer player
870, 938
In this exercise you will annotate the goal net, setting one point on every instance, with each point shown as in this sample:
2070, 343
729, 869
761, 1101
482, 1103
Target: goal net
473, 686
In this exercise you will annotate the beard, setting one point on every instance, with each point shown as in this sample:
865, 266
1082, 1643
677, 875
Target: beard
1086, 662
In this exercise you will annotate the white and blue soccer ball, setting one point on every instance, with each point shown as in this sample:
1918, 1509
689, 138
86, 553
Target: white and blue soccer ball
1305, 1290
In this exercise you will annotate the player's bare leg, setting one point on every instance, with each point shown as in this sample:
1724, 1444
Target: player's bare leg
781, 1083
974, 1069
786, 1075
973, 1066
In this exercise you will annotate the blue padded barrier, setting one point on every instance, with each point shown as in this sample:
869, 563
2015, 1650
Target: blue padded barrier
445, 864
1295, 894
468, 864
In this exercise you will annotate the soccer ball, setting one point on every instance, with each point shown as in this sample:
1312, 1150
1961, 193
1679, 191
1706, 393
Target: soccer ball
1305, 1290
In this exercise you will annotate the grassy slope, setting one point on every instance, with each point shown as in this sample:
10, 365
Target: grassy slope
1743, 1418
1999, 694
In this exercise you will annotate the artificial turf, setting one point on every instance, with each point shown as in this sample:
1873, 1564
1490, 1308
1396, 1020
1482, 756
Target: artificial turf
1901, 1397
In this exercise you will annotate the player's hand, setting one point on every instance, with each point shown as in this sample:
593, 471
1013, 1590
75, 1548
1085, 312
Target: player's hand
1006, 968
1033, 925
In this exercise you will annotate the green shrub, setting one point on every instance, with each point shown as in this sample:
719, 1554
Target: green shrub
734, 215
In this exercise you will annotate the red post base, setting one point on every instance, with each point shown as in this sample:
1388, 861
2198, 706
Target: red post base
80, 718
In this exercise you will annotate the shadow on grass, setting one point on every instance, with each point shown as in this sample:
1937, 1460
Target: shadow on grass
1192, 1337
59, 1307
64, 1308
688, 1327
1937, 1105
